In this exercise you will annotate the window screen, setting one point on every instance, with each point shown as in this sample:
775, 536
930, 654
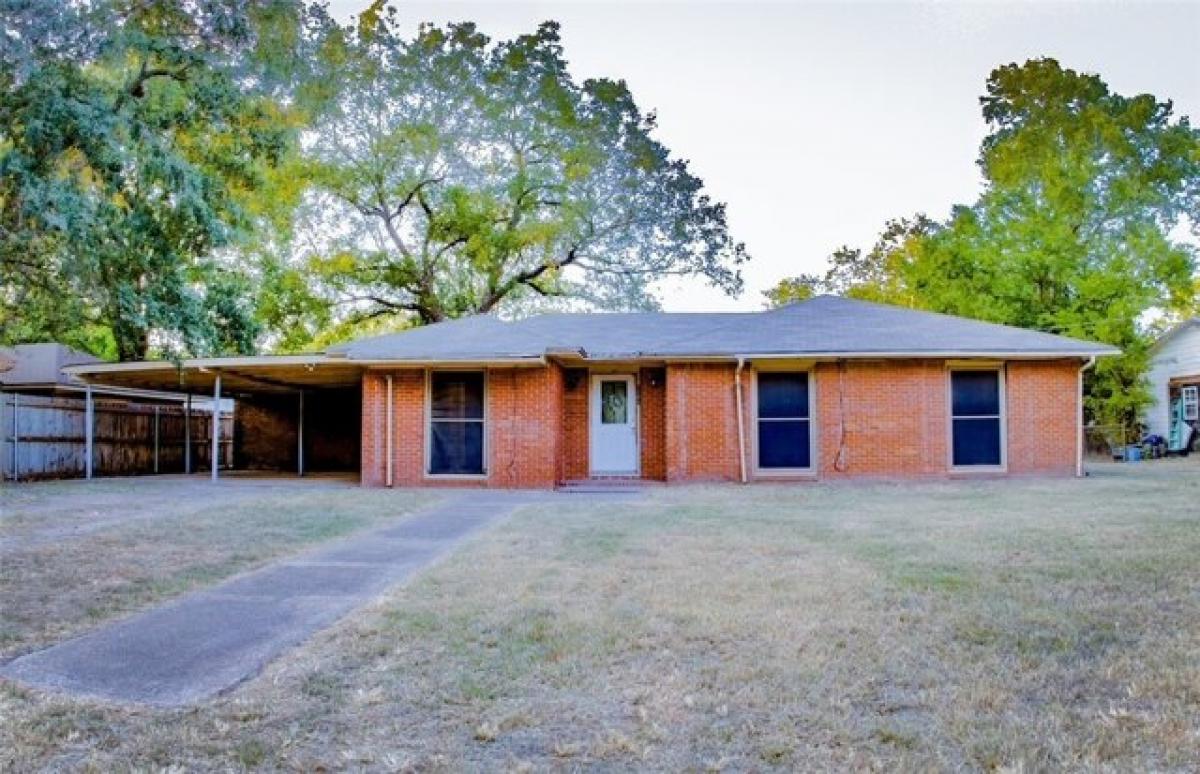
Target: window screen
456, 422
783, 420
975, 417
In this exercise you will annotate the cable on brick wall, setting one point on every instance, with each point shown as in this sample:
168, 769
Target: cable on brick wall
840, 461
512, 430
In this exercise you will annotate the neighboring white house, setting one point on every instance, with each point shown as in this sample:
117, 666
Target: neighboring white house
1175, 375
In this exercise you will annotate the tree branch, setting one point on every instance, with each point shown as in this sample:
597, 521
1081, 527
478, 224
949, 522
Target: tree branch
526, 277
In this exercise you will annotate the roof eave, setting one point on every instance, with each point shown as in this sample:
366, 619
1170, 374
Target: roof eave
891, 355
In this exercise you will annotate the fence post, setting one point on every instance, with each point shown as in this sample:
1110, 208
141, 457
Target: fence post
88, 431
12, 445
16, 457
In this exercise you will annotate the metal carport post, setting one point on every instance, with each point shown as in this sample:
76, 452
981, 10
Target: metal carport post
89, 430
216, 423
300, 437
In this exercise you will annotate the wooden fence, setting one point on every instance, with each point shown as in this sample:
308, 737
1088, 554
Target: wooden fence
44, 437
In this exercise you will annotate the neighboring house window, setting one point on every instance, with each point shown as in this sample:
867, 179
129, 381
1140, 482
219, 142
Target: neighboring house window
784, 437
1191, 403
456, 430
976, 418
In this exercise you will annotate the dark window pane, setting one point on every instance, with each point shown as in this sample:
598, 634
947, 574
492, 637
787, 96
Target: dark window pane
975, 393
456, 447
976, 442
614, 404
783, 444
456, 395
782, 395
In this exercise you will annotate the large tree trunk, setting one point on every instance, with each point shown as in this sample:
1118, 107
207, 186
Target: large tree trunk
133, 341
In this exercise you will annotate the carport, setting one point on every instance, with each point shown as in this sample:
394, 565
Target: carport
293, 413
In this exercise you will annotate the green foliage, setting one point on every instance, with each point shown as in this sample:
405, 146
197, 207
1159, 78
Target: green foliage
792, 289
875, 275
133, 137
1072, 234
453, 175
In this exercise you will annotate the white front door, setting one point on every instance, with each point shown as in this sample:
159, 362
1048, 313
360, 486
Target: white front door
614, 434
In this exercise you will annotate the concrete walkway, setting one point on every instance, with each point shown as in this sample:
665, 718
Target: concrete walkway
208, 641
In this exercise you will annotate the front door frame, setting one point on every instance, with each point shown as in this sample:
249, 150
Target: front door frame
594, 392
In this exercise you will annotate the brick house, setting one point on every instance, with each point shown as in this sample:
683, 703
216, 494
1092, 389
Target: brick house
824, 389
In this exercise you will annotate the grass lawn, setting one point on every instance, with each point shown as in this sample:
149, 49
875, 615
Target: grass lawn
1037, 624
74, 553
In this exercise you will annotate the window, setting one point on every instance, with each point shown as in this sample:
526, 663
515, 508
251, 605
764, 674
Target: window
456, 422
614, 403
975, 418
783, 421
1191, 403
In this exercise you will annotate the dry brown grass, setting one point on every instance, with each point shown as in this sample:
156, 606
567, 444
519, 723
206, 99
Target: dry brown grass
74, 554
986, 625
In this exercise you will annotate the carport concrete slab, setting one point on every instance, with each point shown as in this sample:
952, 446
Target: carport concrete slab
206, 642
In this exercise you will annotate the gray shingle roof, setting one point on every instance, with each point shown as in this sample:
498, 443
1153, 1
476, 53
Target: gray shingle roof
822, 326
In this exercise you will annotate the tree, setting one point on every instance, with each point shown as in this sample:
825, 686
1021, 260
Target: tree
132, 135
1072, 234
453, 175
874, 275
789, 290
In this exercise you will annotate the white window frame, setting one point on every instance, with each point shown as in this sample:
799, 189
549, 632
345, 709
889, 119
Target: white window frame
811, 470
1190, 398
999, 370
429, 372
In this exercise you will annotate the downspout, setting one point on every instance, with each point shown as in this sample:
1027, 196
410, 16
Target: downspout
741, 420
1082, 440
387, 434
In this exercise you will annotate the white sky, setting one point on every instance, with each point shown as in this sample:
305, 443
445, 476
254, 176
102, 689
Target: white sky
815, 123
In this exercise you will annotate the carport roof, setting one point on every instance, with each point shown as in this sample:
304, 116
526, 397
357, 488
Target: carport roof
822, 327
267, 373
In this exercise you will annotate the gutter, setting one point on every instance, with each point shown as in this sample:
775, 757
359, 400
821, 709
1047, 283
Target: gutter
375, 363
311, 361
883, 355
1082, 440
98, 389
208, 362
741, 420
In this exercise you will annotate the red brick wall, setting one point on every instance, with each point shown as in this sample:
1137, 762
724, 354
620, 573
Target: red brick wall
575, 424
1043, 409
408, 437
870, 419
524, 406
266, 427
882, 418
524, 409
701, 423
264, 433
652, 416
